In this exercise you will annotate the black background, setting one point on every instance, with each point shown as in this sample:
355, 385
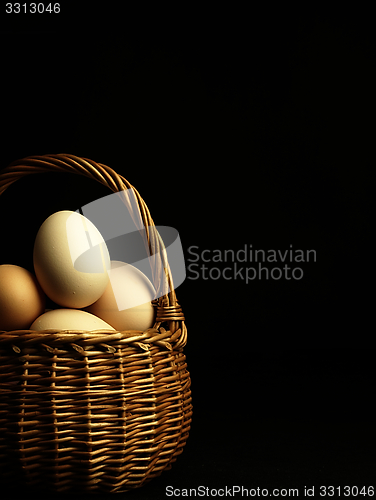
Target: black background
242, 129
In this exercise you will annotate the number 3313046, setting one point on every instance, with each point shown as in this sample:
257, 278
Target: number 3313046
32, 8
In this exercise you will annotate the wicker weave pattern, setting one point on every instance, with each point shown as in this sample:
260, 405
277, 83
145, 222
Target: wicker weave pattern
92, 410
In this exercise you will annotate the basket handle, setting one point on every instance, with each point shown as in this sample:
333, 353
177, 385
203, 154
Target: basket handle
167, 307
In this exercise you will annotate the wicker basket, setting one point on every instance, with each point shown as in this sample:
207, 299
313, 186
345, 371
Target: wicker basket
92, 411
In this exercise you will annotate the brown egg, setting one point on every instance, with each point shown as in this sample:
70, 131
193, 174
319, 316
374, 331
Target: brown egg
21, 298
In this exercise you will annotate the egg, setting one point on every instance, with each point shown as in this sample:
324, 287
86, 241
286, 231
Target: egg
71, 260
69, 319
126, 302
21, 298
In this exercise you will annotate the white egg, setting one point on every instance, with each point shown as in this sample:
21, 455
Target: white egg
69, 319
71, 260
126, 302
